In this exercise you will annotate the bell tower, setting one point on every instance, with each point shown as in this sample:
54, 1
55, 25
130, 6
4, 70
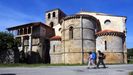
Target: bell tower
53, 17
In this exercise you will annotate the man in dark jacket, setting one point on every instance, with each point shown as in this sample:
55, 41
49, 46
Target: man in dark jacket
101, 58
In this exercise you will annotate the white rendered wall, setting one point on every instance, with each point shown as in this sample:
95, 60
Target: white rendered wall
117, 22
57, 30
114, 44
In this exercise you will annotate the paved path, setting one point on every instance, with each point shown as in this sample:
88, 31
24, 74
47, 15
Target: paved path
67, 70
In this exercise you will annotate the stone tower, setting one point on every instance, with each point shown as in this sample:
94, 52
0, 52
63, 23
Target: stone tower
53, 17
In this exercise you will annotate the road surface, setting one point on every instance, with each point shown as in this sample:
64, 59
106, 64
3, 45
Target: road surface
67, 70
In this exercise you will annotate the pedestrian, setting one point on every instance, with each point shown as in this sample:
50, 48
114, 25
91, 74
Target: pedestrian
94, 57
101, 57
90, 61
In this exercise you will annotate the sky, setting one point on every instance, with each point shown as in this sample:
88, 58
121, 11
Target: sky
17, 12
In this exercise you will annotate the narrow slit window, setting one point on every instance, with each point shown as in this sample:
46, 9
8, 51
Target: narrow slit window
105, 45
53, 48
71, 33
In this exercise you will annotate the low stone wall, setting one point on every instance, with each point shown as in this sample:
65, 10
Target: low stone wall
73, 58
56, 58
114, 58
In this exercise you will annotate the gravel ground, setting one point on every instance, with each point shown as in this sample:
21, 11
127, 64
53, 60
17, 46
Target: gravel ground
67, 70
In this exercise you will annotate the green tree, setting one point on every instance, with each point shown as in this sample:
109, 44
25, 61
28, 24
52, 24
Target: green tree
130, 53
6, 40
8, 48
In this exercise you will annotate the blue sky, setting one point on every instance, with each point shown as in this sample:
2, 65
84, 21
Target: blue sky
16, 12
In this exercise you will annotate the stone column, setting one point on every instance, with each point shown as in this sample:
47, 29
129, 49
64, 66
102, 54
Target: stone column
23, 31
22, 43
30, 41
82, 46
125, 53
63, 41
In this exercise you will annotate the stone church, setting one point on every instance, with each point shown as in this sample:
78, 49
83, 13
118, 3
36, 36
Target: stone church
67, 39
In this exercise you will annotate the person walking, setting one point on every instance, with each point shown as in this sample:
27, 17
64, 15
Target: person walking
101, 57
90, 61
94, 57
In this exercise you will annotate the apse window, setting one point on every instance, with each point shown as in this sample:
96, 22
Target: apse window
105, 42
107, 22
71, 33
53, 48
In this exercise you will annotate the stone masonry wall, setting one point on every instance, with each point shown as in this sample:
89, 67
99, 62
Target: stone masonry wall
55, 52
55, 19
114, 52
73, 47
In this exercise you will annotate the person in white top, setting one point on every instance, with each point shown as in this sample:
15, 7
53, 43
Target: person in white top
91, 63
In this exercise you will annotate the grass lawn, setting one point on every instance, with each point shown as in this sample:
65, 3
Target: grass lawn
130, 73
130, 61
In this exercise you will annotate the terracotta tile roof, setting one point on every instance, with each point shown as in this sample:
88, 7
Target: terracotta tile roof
27, 25
55, 38
110, 32
105, 31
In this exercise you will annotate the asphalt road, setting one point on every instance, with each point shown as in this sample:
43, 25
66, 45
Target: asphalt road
67, 70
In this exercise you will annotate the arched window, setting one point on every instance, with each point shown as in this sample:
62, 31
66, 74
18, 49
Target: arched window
49, 15
71, 33
53, 14
51, 24
105, 42
59, 29
107, 22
